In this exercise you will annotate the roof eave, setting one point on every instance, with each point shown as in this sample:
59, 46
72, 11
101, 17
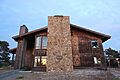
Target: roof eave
104, 36
28, 33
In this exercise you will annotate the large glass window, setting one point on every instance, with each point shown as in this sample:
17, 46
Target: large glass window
38, 42
40, 61
41, 42
37, 61
43, 60
44, 42
40, 51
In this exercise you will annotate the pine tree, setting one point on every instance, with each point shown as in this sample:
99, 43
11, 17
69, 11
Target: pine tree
4, 53
111, 57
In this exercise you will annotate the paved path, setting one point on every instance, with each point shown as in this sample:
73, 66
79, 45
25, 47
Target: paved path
115, 72
8, 75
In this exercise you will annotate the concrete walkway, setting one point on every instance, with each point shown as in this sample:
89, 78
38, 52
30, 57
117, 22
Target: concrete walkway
115, 72
9, 74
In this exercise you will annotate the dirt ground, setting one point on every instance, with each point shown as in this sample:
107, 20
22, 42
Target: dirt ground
78, 74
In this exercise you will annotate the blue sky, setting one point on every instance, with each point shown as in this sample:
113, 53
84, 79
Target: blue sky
99, 15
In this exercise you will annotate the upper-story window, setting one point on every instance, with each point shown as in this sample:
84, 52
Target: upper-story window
94, 44
41, 42
44, 42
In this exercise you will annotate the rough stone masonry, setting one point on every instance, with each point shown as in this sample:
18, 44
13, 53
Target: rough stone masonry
59, 52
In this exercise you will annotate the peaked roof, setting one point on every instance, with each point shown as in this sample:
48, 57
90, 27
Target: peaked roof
104, 37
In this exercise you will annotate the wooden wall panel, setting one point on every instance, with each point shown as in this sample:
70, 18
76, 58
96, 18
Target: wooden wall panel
82, 50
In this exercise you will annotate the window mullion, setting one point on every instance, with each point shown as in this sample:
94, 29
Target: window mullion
41, 50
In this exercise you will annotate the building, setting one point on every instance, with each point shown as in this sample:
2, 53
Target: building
59, 47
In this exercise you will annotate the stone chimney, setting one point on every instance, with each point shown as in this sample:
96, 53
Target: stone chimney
21, 47
59, 51
23, 29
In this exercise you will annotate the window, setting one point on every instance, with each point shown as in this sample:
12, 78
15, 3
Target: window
94, 44
40, 52
43, 60
37, 61
40, 61
41, 42
38, 42
44, 42
95, 60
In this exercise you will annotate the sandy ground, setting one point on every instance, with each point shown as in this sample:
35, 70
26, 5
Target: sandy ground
79, 74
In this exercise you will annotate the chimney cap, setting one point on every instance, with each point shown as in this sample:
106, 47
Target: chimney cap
23, 25
58, 15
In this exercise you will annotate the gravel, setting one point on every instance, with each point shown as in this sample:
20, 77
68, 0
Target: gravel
78, 74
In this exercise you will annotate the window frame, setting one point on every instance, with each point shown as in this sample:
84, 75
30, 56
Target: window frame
97, 46
41, 42
38, 43
39, 51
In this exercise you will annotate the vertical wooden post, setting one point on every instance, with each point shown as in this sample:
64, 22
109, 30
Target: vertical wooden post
12, 59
